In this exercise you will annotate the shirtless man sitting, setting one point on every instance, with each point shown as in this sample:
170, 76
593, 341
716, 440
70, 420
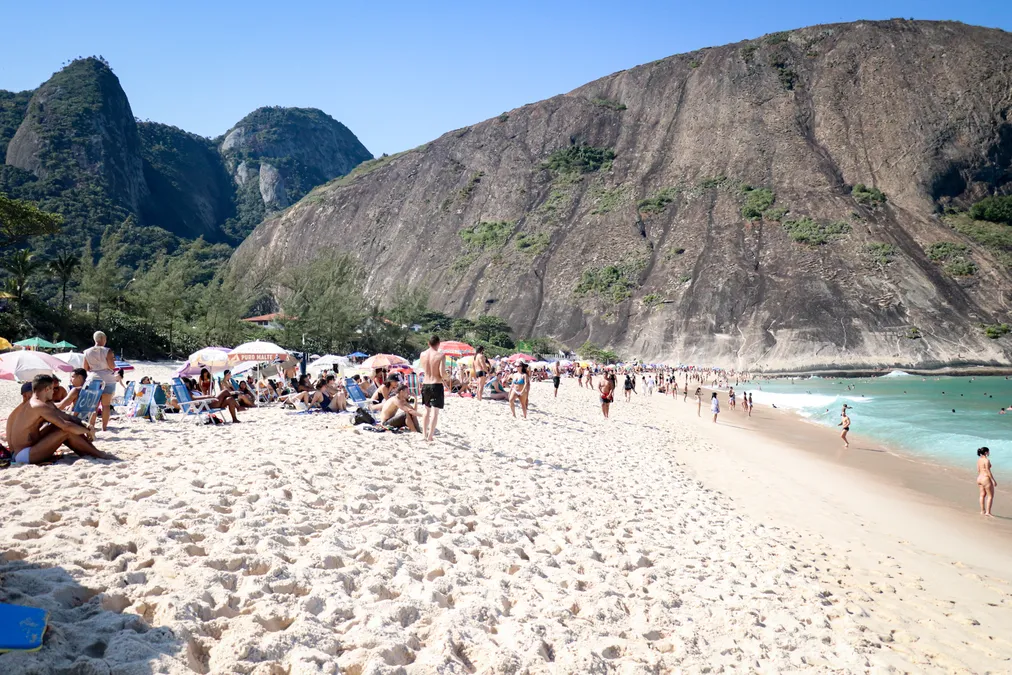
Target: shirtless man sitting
36, 429
397, 412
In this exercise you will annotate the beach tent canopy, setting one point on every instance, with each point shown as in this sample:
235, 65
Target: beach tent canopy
63, 344
23, 365
5, 344
383, 361
357, 355
456, 349
215, 359
258, 350
36, 342
75, 359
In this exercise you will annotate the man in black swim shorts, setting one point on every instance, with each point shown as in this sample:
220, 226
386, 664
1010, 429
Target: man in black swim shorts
556, 377
433, 362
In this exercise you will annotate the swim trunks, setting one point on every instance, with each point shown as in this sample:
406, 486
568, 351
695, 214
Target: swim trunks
556, 381
480, 373
432, 395
607, 399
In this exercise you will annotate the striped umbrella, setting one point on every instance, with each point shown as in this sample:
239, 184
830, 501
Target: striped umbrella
456, 349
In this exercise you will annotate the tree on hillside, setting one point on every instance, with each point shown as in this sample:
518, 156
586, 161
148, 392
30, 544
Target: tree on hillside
488, 326
21, 266
64, 266
101, 281
20, 220
324, 301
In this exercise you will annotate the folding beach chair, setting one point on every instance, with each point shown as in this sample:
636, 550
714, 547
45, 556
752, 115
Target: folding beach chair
186, 402
127, 396
414, 383
87, 401
355, 394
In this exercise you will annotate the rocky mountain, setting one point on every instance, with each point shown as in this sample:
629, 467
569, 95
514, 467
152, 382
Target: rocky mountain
796, 201
74, 146
277, 155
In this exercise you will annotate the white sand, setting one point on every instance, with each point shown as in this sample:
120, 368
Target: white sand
561, 544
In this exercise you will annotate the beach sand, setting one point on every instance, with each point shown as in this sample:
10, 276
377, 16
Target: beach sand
648, 543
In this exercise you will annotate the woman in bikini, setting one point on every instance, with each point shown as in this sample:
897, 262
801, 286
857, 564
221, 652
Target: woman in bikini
480, 365
205, 382
699, 401
607, 389
520, 388
985, 481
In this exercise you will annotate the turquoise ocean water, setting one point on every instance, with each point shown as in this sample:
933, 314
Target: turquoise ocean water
908, 412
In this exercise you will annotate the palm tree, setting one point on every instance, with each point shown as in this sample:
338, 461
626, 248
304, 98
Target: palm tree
64, 266
21, 266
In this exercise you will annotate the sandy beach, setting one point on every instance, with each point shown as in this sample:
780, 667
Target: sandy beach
653, 542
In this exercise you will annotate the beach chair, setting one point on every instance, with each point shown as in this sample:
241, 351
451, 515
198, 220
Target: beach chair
355, 394
414, 383
87, 401
127, 396
186, 402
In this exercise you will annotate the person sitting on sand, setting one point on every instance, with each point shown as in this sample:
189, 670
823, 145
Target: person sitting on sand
985, 481
36, 428
205, 382
77, 379
607, 389
383, 391
397, 413
494, 391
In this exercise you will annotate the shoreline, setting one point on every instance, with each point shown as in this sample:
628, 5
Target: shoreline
938, 483
983, 370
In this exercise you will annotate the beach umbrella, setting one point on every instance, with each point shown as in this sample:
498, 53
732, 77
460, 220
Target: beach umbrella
35, 343
383, 361
5, 344
63, 344
456, 349
400, 368
329, 361
258, 350
466, 360
24, 365
516, 358
357, 355
215, 359
75, 359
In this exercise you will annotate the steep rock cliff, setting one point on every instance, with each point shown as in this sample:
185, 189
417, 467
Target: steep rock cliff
712, 206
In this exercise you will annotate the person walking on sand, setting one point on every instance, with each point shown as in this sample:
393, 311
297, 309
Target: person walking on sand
845, 423
985, 481
750, 405
607, 389
99, 361
433, 362
699, 401
481, 369
714, 406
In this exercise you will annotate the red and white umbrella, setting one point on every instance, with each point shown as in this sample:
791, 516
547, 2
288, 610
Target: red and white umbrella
383, 361
456, 349
24, 365
516, 358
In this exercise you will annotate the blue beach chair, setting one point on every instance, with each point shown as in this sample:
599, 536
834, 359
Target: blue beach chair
186, 402
87, 401
355, 394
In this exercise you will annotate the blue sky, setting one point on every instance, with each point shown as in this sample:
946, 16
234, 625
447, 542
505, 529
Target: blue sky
397, 73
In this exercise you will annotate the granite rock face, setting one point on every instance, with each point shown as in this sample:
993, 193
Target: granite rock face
673, 249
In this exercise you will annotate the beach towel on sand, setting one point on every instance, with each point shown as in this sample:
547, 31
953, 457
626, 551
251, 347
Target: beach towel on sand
21, 628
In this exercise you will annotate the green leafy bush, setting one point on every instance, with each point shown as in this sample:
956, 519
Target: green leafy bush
606, 199
487, 235
942, 251
557, 199
579, 158
503, 117
881, 253
996, 330
614, 282
777, 38
694, 64
995, 236
710, 182
913, 333
533, 243
652, 300
608, 103
685, 278
961, 267
747, 52
993, 209
805, 230
868, 196
659, 201
472, 185
757, 200
776, 214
